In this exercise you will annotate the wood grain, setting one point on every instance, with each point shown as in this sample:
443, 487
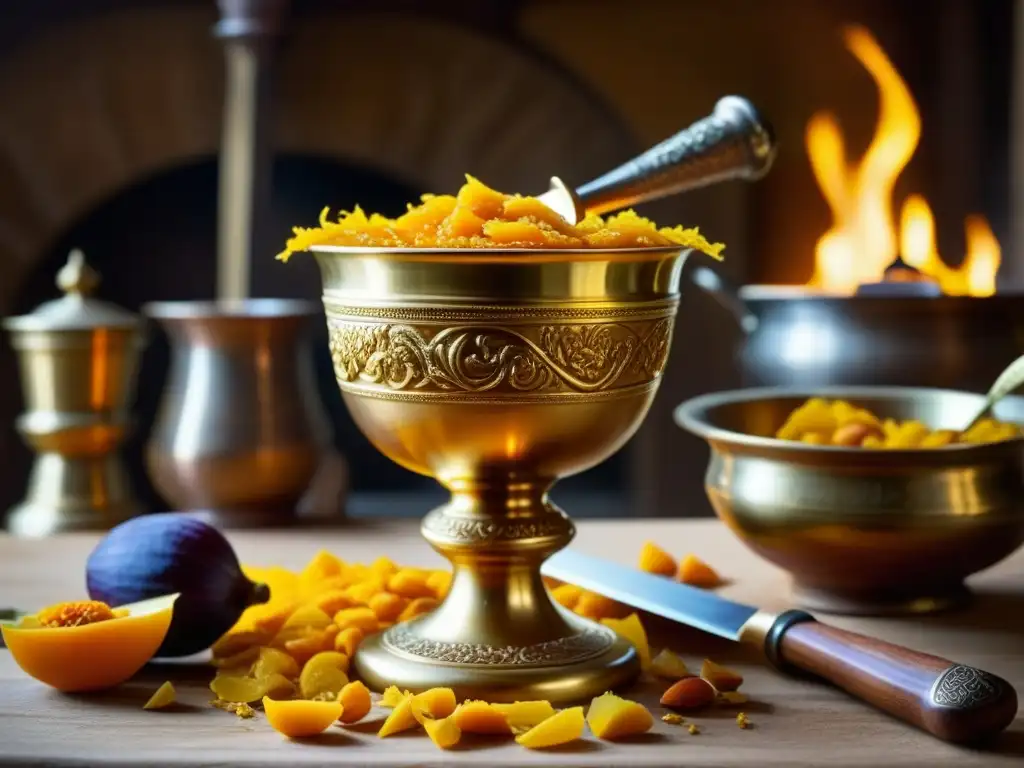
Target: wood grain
954, 702
798, 723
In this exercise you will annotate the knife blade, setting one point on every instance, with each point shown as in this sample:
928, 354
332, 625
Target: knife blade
953, 702
688, 605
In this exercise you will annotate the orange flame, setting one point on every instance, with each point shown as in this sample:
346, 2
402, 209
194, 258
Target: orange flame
863, 239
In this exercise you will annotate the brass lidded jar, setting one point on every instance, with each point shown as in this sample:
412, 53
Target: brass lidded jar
78, 359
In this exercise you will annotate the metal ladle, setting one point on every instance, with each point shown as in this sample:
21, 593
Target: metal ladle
1011, 379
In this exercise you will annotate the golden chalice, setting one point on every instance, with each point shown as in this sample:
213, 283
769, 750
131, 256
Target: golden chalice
497, 372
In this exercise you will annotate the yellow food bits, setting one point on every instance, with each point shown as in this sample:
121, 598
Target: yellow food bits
162, 697
324, 675
594, 606
836, 422
418, 607
481, 717
481, 217
567, 595
361, 617
301, 719
697, 573
612, 717
668, 665
347, 640
654, 559
400, 719
387, 606
444, 732
631, 629
435, 703
561, 728
355, 700
523, 715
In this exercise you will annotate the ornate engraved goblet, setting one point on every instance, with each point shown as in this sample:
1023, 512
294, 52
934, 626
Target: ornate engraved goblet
497, 373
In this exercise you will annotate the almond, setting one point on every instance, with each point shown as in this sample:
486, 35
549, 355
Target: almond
722, 678
688, 693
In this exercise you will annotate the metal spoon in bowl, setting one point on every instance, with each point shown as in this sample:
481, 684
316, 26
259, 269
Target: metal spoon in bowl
1011, 379
733, 142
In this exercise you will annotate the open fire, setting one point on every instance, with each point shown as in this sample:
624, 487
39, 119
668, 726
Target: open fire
864, 238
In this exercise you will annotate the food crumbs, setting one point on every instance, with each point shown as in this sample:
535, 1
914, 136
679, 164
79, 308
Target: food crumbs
742, 722
693, 729
241, 709
162, 697
672, 718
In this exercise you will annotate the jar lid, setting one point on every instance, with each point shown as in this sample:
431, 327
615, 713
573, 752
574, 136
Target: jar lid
75, 310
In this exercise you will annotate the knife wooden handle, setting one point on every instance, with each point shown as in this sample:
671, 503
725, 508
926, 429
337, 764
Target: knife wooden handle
954, 702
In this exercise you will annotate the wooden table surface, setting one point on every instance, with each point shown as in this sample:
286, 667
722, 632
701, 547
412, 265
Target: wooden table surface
796, 722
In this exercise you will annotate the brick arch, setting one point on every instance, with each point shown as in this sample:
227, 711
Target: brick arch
92, 107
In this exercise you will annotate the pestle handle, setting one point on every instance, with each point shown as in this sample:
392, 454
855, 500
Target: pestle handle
733, 142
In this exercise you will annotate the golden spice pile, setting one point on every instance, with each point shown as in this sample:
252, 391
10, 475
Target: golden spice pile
480, 217
837, 422
291, 656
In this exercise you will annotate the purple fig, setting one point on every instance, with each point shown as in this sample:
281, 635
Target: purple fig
169, 552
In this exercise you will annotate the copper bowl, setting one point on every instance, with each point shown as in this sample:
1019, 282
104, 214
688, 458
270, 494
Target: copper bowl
864, 531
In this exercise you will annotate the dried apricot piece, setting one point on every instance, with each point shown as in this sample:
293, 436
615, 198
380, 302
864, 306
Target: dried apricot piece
355, 698
242, 690
162, 697
324, 675
302, 649
236, 642
333, 601
523, 715
418, 607
242, 660
668, 665
400, 719
411, 583
392, 697
268, 619
444, 732
347, 640
440, 582
435, 703
322, 566
631, 629
612, 717
301, 719
387, 606
722, 678
480, 717
653, 559
362, 592
308, 616
273, 661
362, 617
562, 727
697, 573
567, 595
383, 567
594, 606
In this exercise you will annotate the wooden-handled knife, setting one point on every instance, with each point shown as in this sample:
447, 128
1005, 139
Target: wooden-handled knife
952, 701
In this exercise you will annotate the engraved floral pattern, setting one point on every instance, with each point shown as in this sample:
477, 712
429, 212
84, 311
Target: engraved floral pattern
476, 530
477, 359
567, 650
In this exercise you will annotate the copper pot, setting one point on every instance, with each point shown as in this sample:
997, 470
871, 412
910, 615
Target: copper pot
793, 337
241, 430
